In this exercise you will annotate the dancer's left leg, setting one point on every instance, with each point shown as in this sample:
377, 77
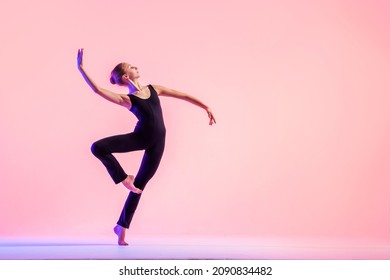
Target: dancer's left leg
148, 168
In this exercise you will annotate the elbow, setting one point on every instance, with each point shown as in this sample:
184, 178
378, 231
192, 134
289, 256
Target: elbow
97, 90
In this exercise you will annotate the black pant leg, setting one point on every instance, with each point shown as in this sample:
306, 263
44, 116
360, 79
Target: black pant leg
104, 148
149, 165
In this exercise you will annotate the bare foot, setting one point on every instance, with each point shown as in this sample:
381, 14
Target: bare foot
120, 231
129, 184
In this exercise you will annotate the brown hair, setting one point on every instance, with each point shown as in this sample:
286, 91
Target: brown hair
117, 73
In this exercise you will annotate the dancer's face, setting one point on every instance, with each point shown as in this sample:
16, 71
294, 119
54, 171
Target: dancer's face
131, 72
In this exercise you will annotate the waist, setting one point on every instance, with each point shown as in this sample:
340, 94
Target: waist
150, 128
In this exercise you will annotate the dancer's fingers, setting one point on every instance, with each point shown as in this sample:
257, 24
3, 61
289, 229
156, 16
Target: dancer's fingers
212, 119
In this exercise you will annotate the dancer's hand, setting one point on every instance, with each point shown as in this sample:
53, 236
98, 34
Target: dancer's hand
211, 116
80, 58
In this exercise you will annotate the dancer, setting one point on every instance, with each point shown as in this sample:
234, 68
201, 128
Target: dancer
148, 134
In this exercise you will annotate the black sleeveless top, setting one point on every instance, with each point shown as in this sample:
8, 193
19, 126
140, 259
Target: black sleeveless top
149, 114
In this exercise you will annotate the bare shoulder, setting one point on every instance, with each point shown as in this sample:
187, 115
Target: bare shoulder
125, 101
158, 88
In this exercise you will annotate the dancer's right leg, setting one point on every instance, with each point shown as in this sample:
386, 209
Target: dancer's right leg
104, 148
129, 184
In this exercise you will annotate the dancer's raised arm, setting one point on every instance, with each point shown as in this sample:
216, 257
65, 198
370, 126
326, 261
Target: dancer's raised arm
164, 91
120, 99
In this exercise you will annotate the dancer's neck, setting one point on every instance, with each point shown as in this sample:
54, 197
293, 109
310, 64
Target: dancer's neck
135, 86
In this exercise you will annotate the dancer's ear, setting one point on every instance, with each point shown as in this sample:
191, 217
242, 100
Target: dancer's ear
125, 77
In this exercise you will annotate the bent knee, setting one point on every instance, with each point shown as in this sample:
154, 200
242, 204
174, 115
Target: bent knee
97, 149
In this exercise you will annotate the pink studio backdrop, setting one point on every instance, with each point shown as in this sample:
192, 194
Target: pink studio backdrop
300, 91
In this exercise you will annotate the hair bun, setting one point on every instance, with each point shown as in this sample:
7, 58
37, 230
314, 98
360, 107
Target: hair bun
112, 80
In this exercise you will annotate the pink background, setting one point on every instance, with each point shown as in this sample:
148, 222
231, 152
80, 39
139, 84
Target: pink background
300, 91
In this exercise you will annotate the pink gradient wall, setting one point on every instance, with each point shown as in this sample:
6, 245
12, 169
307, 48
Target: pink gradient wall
300, 91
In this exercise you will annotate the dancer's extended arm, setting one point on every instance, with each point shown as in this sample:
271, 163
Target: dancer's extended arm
164, 91
120, 99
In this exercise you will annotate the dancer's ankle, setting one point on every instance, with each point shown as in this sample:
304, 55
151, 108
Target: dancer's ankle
129, 184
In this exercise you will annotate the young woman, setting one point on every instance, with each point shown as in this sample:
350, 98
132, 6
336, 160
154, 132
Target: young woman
148, 135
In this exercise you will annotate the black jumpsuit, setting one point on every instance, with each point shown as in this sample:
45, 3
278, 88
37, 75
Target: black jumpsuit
148, 135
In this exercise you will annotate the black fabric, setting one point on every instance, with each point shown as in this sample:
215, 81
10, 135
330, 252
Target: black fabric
148, 135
